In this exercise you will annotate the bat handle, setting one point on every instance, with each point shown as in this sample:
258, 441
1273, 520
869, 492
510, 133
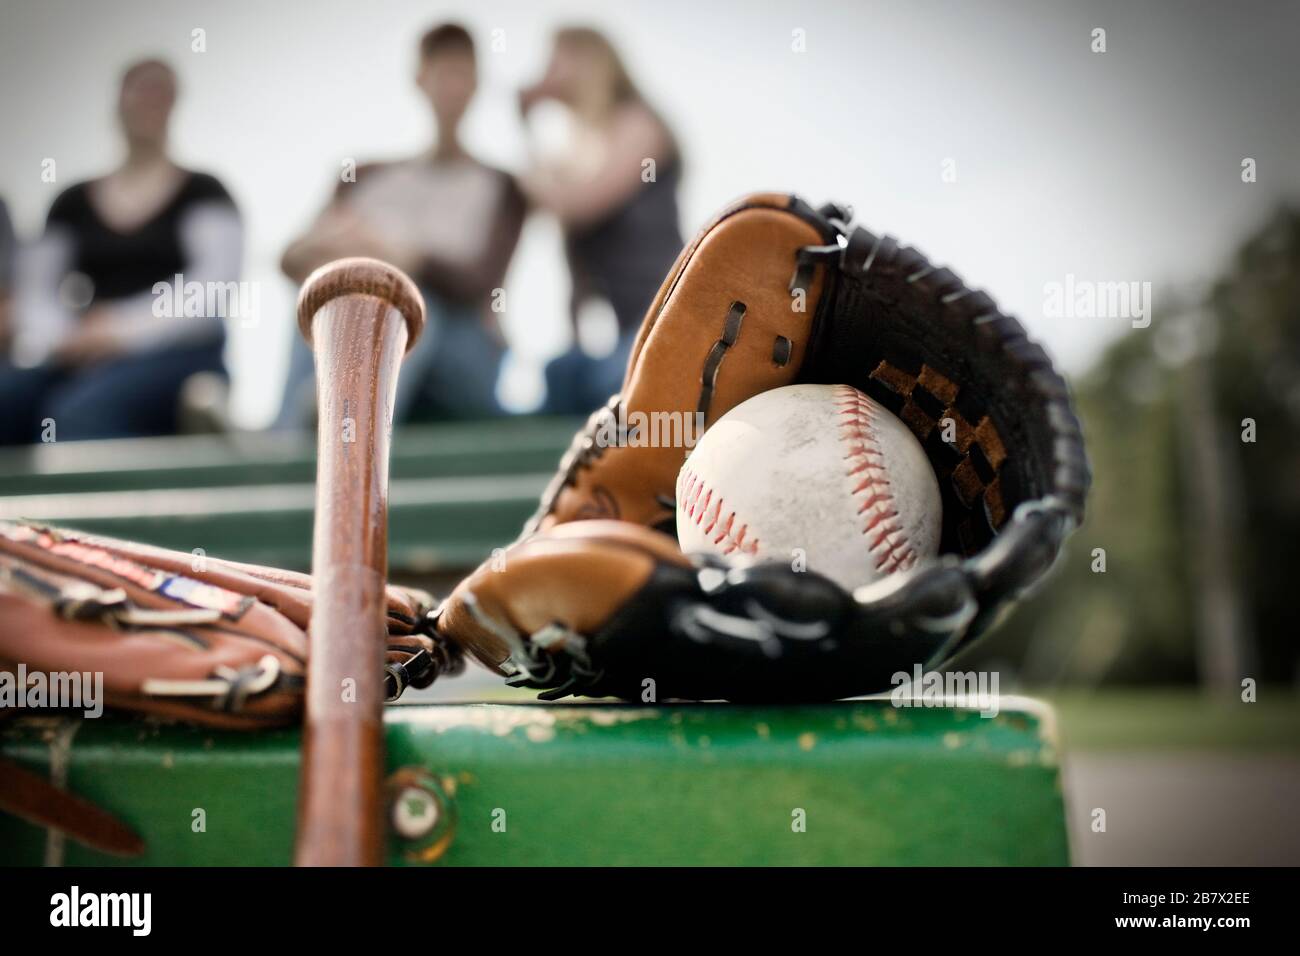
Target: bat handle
360, 316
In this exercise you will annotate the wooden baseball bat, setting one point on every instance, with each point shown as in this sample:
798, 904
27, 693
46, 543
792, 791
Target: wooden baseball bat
360, 316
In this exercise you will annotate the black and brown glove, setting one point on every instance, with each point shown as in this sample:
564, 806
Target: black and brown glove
771, 293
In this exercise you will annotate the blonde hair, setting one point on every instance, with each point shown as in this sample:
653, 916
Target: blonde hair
589, 41
622, 90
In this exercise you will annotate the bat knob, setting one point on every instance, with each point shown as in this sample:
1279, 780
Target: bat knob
366, 277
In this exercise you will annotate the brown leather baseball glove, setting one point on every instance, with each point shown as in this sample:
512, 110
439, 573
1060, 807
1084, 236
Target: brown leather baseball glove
207, 640
774, 292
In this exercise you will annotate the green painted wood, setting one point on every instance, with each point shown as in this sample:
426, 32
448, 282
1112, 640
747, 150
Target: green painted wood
435, 524
457, 491
600, 783
498, 447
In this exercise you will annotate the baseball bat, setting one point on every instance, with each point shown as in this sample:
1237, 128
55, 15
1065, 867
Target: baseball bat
360, 316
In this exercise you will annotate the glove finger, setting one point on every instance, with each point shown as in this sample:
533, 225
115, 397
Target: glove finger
725, 326
547, 593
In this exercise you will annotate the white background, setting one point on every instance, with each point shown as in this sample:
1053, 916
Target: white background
1115, 166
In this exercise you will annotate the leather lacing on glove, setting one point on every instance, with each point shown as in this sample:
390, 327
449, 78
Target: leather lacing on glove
423, 667
1005, 560
532, 662
582, 452
83, 601
214, 641
226, 689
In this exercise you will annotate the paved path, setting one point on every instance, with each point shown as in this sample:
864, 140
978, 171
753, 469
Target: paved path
1192, 809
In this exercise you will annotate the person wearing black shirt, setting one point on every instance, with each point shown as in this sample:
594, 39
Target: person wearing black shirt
99, 350
614, 192
8, 255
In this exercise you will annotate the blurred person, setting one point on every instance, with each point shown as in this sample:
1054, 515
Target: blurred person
449, 221
8, 255
93, 351
614, 192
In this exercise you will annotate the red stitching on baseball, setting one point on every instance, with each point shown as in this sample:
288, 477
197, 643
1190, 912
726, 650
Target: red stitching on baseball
735, 540
717, 513
887, 540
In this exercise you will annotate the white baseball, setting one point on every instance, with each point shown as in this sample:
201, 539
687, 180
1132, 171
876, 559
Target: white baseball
818, 472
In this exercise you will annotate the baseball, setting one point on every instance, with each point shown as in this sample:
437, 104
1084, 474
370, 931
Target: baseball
818, 473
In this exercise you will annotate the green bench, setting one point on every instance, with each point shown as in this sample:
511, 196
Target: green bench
464, 449
435, 524
851, 783
457, 491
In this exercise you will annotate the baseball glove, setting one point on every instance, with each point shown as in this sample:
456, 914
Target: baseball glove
771, 293
211, 641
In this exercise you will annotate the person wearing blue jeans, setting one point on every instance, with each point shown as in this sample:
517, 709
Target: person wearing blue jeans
124, 397
450, 222
96, 350
450, 373
618, 214
577, 383
8, 258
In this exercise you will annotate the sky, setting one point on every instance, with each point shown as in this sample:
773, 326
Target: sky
1122, 166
